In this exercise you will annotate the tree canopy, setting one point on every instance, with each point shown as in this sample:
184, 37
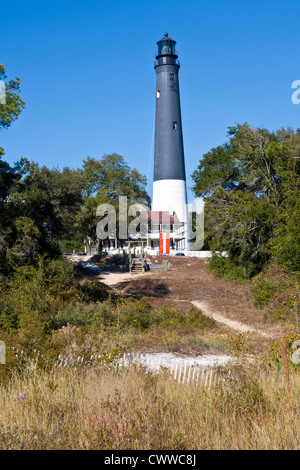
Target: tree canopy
104, 181
251, 188
48, 210
13, 106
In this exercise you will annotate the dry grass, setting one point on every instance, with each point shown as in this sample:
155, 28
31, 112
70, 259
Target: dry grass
129, 409
103, 408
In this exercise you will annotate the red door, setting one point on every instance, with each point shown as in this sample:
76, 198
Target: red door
164, 243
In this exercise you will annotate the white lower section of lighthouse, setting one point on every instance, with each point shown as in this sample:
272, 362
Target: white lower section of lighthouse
170, 195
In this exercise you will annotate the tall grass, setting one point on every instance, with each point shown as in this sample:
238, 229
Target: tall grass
132, 409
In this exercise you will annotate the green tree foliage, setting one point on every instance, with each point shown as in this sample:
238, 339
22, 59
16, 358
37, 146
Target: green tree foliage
112, 175
38, 210
251, 188
45, 211
13, 106
51, 198
26, 242
243, 224
9, 176
104, 181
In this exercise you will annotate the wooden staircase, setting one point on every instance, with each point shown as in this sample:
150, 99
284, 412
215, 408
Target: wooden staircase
137, 266
137, 262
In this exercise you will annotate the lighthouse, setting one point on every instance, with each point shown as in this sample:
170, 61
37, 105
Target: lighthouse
169, 180
167, 222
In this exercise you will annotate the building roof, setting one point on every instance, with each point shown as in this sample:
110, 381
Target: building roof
166, 38
161, 217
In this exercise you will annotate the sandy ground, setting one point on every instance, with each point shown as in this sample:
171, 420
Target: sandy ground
189, 282
235, 325
115, 279
154, 361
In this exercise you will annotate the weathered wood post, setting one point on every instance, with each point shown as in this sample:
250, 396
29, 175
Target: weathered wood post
2, 353
129, 255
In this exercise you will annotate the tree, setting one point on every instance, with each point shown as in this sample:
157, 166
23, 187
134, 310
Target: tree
242, 164
104, 181
45, 210
50, 198
286, 239
13, 106
26, 242
241, 224
251, 190
10, 108
9, 112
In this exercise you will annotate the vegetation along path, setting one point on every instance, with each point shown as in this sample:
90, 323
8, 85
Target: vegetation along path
188, 281
235, 325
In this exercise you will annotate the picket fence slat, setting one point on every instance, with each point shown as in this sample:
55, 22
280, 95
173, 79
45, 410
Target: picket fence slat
184, 373
181, 373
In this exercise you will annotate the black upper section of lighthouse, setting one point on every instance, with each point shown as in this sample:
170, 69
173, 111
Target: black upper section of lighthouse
166, 52
166, 46
168, 152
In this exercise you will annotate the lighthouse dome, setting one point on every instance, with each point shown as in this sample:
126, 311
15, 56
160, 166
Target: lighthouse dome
166, 46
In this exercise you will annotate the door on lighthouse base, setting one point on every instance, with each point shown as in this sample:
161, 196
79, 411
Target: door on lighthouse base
164, 243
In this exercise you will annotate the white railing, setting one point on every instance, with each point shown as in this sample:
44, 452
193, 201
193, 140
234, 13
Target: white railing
202, 254
150, 252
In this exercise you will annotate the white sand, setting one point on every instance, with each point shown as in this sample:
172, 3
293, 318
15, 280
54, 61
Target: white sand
153, 361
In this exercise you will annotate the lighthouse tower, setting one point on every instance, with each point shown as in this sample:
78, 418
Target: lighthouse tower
169, 181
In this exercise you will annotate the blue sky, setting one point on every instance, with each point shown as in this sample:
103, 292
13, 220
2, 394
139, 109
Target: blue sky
88, 81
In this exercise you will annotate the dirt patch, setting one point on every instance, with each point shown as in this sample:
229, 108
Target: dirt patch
145, 287
189, 281
233, 324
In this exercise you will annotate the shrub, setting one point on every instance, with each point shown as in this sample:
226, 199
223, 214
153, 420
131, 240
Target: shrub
224, 267
240, 344
277, 291
244, 393
47, 290
89, 316
172, 318
263, 290
133, 313
273, 355
35, 290
91, 292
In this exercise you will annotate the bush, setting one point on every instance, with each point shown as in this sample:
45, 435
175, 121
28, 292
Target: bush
244, 393
263, 290
76, 315
47, 289
133, 313
39, 290
121, 314
273, 356
124, 314
277, 291
89, 316
172, 318
224, 267
91, 292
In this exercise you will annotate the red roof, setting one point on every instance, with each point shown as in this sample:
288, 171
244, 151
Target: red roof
161, 217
